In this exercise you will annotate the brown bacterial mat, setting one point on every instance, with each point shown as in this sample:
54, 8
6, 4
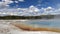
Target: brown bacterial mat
30, 28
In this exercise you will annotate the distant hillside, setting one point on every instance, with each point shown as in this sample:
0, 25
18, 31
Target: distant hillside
57, 16
27, 17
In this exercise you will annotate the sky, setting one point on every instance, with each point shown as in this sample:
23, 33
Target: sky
27, 3
36, 7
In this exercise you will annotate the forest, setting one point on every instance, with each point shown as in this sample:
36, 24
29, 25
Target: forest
27, 17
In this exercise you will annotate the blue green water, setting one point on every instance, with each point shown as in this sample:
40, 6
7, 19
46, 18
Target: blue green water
54, 23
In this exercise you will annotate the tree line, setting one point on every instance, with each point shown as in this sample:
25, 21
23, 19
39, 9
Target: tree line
27, 17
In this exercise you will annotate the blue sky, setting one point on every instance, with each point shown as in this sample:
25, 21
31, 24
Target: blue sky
43, 3
39, 6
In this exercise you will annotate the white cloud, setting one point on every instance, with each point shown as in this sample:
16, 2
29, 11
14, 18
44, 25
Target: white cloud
4, 3
7, 1
7, 5
16, 1
10, 2
21, 0
48, 9
31, 11
20, 11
